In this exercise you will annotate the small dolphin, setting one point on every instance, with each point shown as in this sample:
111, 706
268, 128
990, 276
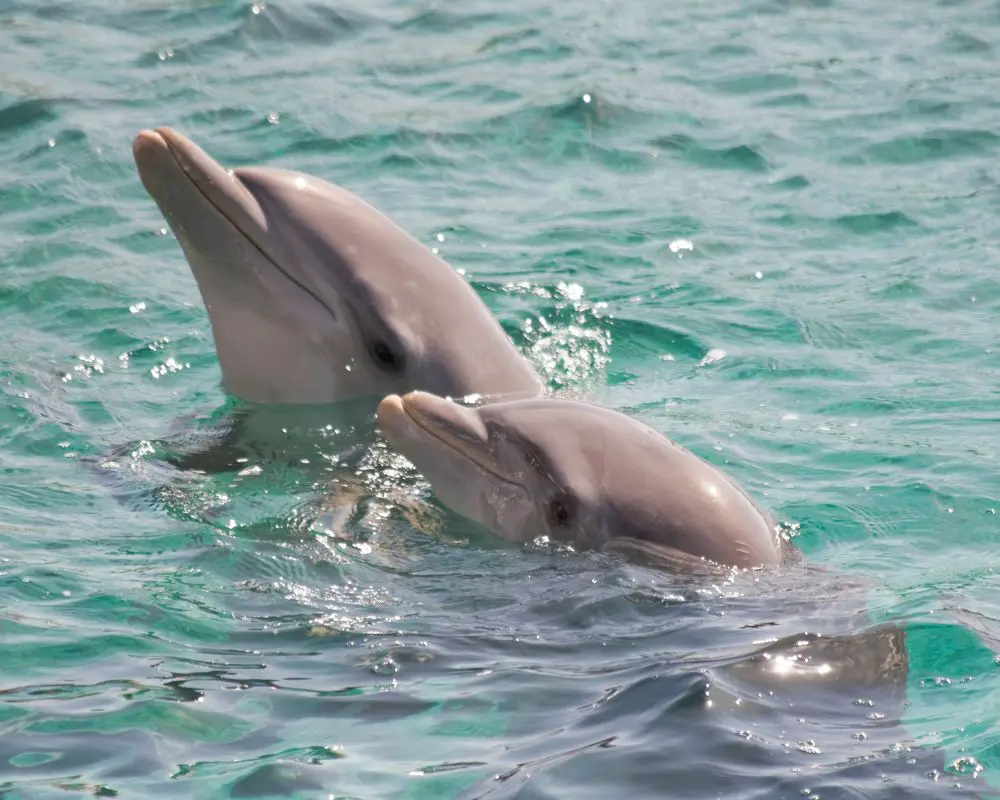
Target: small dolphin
314, 296
580, 474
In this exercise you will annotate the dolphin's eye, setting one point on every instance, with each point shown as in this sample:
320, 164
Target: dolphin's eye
561, 512
385, 357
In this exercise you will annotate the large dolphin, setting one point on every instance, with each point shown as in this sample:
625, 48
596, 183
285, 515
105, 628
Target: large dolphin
314, 296
580, 474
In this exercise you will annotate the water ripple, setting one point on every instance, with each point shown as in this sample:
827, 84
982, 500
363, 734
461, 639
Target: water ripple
766, 230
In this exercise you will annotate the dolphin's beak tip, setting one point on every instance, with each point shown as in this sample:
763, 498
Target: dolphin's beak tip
391, 403
159, 137
402, 398
146, 142
167, 132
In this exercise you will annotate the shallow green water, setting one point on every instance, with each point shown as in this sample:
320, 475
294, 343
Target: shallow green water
768, 229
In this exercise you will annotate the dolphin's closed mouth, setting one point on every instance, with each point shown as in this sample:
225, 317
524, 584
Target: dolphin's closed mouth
458, 428
221, 188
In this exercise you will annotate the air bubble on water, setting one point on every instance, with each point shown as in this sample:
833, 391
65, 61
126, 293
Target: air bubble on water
586, 98
385, 666
967, 765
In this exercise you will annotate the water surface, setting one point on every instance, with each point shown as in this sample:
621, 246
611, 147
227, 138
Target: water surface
767, 229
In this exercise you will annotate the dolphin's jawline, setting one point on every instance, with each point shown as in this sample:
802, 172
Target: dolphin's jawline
480, 463
186, 171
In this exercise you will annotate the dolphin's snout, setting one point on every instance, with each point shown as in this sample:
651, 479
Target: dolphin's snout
390, 413
155, 143
446, 419
442, 438
146, 145
418, 417
167, 159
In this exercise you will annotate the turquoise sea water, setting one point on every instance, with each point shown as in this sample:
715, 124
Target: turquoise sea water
767, 228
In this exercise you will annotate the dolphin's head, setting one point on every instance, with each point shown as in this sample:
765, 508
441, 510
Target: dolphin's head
577, 473
314, 295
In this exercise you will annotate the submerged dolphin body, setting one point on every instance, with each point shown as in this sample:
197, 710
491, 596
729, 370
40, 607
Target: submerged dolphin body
314, 296
581, 474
